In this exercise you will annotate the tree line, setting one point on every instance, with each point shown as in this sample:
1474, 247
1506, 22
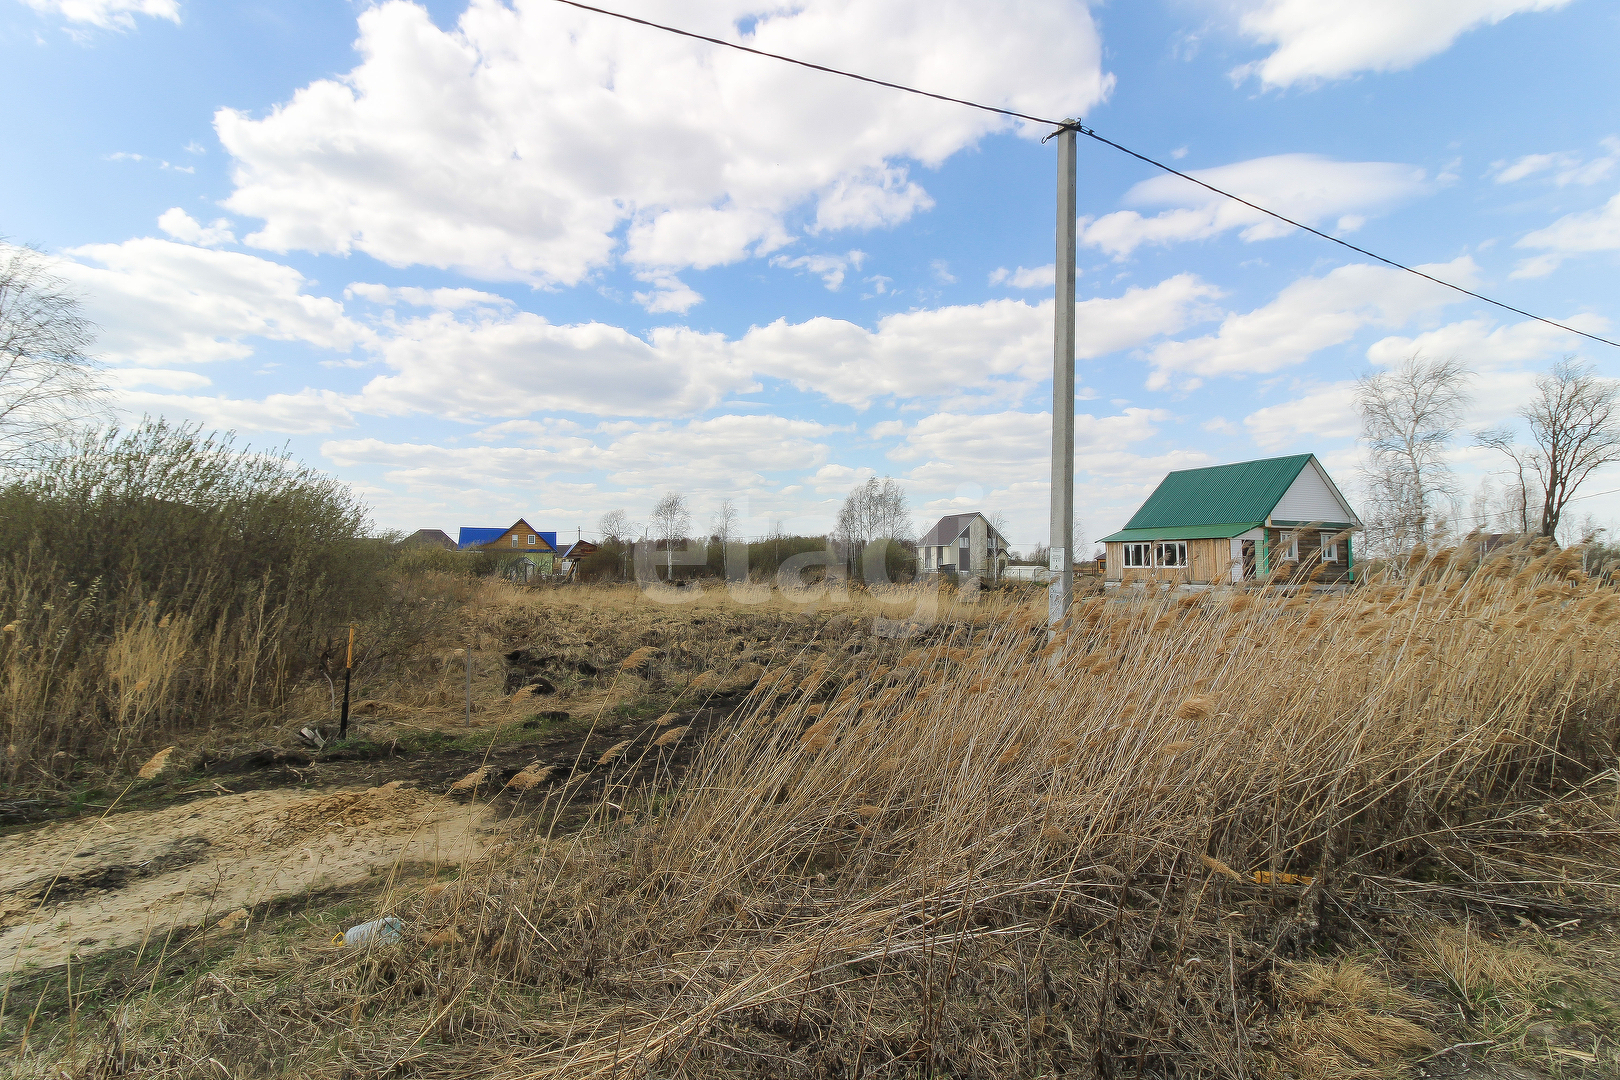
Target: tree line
875, 510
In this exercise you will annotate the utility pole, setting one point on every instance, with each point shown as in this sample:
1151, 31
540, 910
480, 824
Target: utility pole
1061, 544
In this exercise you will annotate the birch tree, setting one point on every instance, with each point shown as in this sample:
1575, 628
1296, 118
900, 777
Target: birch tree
671, 519
48, 383
724, 522
1409, 415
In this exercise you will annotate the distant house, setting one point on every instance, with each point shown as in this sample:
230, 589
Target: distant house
431, 538
538, 549
963, 543
1238, 521
568, 564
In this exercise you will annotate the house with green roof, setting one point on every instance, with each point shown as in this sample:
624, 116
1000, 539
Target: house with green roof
1227, 523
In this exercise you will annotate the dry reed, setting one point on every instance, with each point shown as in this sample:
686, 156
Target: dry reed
857, 874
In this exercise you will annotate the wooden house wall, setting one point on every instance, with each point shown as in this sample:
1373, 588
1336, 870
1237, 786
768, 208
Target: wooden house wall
522, 530
1207, 561
1310, 546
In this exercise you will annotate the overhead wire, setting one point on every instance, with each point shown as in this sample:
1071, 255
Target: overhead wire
1076, 126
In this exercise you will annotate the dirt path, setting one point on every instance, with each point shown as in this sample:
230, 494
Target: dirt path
267, 829
86, 886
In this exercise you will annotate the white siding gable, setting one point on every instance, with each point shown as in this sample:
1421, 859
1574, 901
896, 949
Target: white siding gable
1311, 498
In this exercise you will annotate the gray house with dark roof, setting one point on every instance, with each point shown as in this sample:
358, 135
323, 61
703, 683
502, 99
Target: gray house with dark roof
965, 543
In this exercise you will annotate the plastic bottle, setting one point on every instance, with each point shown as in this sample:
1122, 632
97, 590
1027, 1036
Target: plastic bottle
378, 931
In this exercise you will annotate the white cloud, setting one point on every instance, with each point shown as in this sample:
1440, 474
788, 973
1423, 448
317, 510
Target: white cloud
1010, 446
440, 299
1504, 359
1483, 346
830, 267
472, 358
303, 413
1326, 413
838, 479
878, 197
162, 378
1316, 40
180, 225
1306, 187
1307, 315
108, 14
512, 366
521, 142
1032, 278
1566, 168
945, 350
159, 302
724, 454
1573, 234
669, 293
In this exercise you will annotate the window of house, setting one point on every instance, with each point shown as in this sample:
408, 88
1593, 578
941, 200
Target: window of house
514, 541
1290, 547
1138, 554
1330, 547
531, 539
1170, 555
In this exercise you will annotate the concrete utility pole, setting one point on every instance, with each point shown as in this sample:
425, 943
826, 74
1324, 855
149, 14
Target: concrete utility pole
1061, 544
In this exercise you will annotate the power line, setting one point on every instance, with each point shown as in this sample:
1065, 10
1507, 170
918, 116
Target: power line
1062, 125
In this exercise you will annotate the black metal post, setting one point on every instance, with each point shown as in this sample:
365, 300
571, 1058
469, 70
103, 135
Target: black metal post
348, 668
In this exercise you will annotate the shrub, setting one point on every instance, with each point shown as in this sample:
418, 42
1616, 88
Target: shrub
157, 578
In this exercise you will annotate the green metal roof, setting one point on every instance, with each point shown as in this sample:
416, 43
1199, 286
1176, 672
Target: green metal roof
1234, 497
1181, 532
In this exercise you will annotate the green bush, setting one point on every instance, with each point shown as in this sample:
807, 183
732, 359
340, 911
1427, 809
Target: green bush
426, 558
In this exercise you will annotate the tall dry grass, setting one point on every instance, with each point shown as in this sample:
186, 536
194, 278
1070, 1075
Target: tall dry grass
157, 581
997, 855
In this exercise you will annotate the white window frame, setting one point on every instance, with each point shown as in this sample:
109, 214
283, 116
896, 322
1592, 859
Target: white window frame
514, 540
1330, 547
1177, 550
531, 539
1143, 556
1290, 546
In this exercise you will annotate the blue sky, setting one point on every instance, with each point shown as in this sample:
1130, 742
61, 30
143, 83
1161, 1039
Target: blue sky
498, 259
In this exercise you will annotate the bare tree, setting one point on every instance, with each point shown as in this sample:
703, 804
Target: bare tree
48, 383
724, 522
1574, 419
616, 525
1408, 416
875, 510
671, 519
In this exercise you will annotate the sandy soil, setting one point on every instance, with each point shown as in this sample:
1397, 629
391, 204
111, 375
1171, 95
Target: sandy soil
80, 887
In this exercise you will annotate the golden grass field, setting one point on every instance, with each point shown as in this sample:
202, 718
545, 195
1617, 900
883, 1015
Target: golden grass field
1259, 833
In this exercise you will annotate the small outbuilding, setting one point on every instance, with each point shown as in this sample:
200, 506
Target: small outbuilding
1235, 522
964, 543
572, 556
